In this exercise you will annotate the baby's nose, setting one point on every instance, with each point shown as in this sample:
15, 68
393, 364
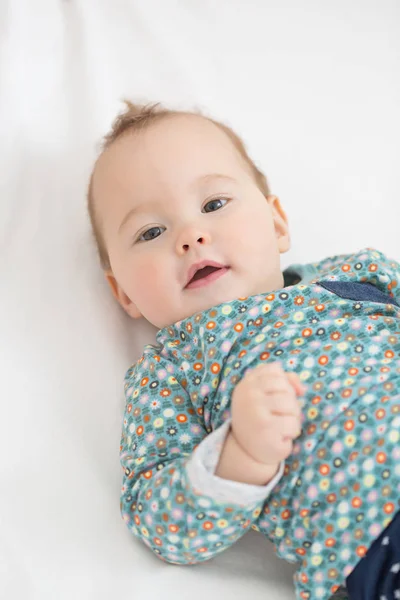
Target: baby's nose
191, 238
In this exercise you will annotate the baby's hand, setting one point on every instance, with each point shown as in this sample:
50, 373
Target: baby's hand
266, 414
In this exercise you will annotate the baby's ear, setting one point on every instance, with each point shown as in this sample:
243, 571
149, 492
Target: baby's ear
280, 223
121, 297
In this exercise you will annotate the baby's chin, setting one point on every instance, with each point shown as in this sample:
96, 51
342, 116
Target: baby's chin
227, 289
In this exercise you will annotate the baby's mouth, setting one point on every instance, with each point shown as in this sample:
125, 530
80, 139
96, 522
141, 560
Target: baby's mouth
206, 275
204, 272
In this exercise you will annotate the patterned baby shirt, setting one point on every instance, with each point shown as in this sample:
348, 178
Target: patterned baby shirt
336, 323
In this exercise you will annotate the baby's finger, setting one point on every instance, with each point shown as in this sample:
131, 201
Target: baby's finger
282, 448
289, 427
271, 377
283, 444
294, 380
276, 386
284, 404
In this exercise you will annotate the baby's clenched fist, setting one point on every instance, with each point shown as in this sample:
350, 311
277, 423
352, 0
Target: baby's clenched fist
266, 413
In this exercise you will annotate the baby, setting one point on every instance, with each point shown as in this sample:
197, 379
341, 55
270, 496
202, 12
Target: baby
271, 400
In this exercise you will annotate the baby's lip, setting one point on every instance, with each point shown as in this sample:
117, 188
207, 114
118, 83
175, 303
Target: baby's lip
200, 265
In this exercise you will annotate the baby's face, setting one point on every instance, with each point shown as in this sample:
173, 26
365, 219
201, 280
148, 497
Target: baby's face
173, 198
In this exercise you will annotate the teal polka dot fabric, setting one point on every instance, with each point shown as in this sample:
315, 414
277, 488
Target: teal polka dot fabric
341, 485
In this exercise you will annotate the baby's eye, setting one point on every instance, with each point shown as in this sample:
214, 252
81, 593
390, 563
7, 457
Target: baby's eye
151, 234
215, 204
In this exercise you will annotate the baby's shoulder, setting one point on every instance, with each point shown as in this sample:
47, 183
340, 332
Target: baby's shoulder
145, 366
366, 259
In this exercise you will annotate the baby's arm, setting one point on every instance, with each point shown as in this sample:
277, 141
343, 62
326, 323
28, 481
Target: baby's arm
236, 465
165, 500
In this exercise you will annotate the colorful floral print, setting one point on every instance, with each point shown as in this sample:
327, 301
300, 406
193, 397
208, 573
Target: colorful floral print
341, 485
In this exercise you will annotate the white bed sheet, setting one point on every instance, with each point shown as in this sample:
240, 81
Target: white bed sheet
313, 88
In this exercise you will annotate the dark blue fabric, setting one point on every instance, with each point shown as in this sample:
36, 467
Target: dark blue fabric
354, 290
377, 575
340, 594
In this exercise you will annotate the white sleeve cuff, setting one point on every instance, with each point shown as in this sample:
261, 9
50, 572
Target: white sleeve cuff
202, 465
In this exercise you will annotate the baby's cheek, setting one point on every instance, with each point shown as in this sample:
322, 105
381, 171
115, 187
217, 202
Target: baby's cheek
255, 233
241, 229
152, 278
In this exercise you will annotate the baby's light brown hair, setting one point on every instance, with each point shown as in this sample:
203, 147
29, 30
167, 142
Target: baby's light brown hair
137, 117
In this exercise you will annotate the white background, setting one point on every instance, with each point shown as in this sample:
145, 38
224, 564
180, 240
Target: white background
314, 89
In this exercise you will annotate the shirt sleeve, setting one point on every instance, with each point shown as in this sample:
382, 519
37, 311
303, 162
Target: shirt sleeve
201, 470
159, 503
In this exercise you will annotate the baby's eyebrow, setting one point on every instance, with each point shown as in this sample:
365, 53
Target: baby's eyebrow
211, 176
131, 212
